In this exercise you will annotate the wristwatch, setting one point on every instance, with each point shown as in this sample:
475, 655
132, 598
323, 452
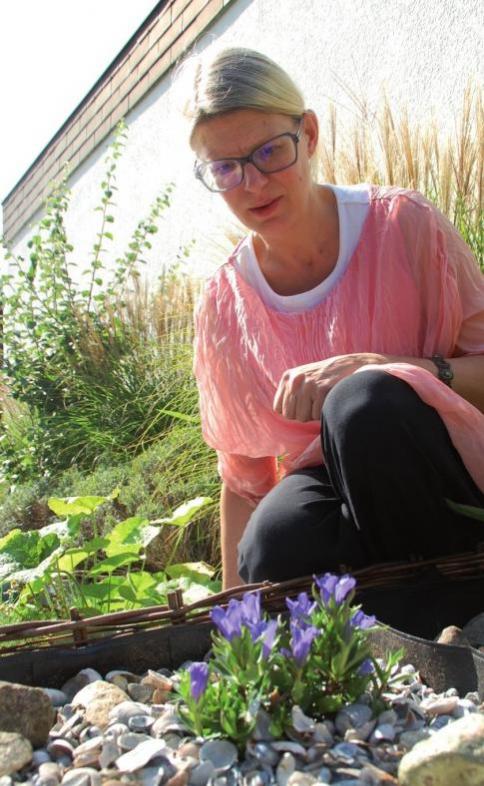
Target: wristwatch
445, 373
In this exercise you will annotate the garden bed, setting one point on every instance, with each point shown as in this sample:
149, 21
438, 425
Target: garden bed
47, 653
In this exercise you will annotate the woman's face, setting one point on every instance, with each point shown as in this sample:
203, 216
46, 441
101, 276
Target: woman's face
265, 203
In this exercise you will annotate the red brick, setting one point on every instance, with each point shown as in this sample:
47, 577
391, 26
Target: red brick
177, 8
159, 68
192, 11
170, 35
205, 17
139, 91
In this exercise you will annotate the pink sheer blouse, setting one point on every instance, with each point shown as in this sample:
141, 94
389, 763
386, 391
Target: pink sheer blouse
412, 288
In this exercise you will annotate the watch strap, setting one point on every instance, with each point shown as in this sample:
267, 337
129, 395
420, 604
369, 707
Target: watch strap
444, 369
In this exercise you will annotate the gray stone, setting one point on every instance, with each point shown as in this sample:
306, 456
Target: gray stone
441, 706
26, 711
221, 753
452, 755
351, 717
202, 773
83, 678
15, 752
464, 707
124, 711
141, 755
301, 779
142, 693
385, 732
40, 756
84, 776
285, 769
57, 697
474, 631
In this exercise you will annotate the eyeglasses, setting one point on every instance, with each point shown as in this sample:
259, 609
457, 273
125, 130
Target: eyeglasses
276, 154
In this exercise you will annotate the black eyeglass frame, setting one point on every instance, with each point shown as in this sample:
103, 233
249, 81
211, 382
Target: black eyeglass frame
199, 165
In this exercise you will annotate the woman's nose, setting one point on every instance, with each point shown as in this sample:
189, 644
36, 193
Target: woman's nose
253, 179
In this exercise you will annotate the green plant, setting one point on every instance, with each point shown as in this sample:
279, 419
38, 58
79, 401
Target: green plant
91, 380
45, 573
317, 662
384, 146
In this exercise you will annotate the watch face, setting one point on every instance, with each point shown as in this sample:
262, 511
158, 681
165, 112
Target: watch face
446, 373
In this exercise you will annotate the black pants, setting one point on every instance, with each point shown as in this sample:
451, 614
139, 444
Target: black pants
390, 465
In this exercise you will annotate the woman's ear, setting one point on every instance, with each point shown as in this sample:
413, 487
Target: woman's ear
311, 130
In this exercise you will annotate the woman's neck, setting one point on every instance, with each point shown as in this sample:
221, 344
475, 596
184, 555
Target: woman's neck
306, 254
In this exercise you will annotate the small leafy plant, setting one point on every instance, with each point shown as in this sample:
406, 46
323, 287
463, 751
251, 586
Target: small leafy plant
317, 661
86, 379
45, 573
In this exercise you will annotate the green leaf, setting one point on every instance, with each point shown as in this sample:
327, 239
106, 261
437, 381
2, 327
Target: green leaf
71, 559
200, 572
72, 506
138, 587
130, 535
179, 415
113, 563
184, 514
25, 550
467, 510
40, 571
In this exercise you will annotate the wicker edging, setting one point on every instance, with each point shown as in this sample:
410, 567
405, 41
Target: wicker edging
79, 631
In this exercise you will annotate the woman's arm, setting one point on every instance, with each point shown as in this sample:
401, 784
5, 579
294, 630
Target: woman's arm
235, 512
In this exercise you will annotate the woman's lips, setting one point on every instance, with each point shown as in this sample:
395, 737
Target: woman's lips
266, 208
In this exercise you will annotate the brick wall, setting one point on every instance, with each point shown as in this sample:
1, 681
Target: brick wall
158, 44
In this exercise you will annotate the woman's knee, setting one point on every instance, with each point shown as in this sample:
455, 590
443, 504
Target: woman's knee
368, 401
258, 548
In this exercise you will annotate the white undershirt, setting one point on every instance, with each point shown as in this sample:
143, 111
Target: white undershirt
353, 204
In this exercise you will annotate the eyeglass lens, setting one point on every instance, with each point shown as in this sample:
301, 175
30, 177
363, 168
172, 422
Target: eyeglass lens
273, 156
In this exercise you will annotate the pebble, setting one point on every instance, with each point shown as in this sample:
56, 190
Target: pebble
140, 755
57, 697
141, 740
15, 752
140, 693
353, 716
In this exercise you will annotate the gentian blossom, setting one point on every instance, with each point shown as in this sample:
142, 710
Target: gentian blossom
366, 668
229, 621
244, 613
198, 679
335, 587
301, 640
301, 609
361, 620
268, 638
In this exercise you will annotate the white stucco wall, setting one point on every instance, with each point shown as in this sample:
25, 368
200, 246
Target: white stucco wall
422, 53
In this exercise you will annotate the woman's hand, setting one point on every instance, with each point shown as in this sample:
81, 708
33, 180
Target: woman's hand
302, 390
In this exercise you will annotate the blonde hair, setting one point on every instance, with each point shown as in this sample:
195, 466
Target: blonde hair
239, 78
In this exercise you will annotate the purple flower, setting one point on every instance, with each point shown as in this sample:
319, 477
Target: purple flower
361, 620
300, 609
327, 585
344, 586
229, 621
301, 640
268, 638
198, 679
240, 613
250, 608
334, 587
366, 668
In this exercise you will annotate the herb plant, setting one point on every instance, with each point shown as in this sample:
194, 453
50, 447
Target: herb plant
44, 573
317, 660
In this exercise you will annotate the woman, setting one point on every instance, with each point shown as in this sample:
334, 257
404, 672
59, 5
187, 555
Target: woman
339, 351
